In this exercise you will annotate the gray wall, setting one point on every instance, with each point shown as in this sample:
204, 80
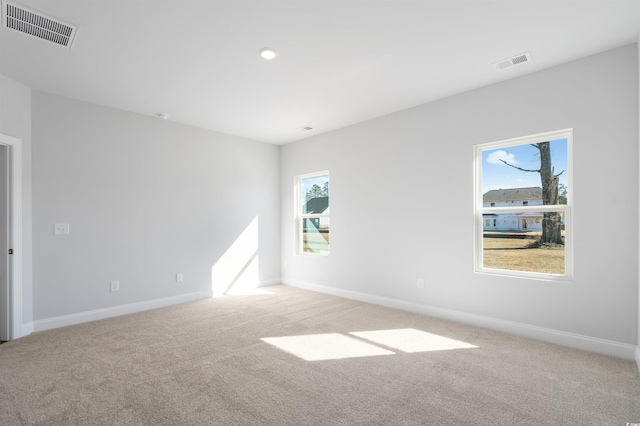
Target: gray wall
145, 199
402, 200
15, 120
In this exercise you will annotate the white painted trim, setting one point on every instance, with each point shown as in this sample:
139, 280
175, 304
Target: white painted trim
638, 305
578, 341
27, 328
267, 283
114, 311
15, 239
97, 314
299, 216
478, 208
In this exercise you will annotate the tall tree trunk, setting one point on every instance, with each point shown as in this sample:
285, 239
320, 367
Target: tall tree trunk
552, 221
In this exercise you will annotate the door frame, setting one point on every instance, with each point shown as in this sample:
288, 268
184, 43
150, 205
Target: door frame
12, 328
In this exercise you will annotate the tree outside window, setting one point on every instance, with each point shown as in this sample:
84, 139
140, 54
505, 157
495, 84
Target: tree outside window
526, 184
313, 213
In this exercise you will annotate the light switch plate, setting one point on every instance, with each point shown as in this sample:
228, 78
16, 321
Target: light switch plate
61, 229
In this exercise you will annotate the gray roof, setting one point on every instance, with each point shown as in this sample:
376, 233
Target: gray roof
513, 194
316, 205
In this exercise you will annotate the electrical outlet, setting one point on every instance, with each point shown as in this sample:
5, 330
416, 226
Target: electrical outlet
178, 278
115, 285
61, 229
420, 283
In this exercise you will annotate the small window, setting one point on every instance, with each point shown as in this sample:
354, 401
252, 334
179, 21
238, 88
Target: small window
312, 223
526, 183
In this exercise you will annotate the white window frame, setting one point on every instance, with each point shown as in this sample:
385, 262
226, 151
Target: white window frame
301, 216
567, 209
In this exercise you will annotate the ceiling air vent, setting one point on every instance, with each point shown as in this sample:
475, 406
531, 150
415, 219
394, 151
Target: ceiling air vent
516, 60
29, 21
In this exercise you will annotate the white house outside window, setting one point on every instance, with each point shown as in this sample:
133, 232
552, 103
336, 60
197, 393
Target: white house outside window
523, 208
312, 209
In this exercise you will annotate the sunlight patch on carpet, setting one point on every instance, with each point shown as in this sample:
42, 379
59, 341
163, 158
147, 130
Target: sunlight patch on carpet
411, 341
322, 347
249, 292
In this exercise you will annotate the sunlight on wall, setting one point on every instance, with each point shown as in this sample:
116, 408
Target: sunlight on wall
322, 347
237, 271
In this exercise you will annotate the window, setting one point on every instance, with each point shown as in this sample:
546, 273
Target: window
525, 186
312, 223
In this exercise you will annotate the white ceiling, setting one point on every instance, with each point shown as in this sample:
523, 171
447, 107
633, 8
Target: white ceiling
340, 62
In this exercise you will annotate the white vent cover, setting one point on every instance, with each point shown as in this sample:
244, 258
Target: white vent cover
516, 60
29, 21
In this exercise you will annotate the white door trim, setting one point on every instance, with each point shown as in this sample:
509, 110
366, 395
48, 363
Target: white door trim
14, 286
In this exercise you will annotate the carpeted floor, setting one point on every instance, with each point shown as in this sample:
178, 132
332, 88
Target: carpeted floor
295, 357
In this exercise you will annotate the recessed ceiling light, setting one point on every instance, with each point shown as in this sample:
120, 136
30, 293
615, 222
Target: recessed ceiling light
161, 115
268, 53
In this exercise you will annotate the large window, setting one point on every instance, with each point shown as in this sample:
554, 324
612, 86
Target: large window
523, 191
313, 213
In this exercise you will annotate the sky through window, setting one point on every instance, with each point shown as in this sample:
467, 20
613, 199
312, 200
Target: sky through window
497, 175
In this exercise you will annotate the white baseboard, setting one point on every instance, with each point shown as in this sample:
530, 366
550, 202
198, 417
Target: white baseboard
267, 283
97, 314
114, 311
27, 329
578, 341
638, 357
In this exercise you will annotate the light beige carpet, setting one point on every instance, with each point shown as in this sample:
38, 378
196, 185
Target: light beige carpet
296, 357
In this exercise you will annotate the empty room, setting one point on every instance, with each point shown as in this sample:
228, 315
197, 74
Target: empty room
319, 212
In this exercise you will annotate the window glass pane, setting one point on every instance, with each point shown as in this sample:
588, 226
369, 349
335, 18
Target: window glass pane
315, 194
512, 241
315, 235
513, 175
514, 180
313, 213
